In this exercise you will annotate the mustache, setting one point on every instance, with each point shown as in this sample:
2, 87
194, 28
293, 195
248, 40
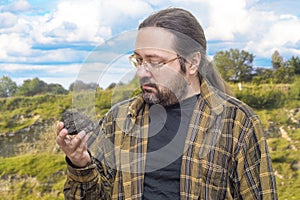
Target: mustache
148, 82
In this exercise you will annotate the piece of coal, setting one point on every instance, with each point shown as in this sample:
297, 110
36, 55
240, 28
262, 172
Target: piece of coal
75, 122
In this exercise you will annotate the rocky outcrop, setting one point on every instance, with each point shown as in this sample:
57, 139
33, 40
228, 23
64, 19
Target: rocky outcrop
11, 142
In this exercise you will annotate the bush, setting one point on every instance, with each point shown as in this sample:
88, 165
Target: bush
295, 89
262, 98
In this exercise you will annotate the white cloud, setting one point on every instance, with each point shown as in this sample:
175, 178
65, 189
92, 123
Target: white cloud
7, 20
248, 25
254, 25
71, 22
284, 32
115, 11
227, 18
276, 33
19, 51
12, 45
17, 6
59, 55
61, 74
89, 21
99, 69
72, 69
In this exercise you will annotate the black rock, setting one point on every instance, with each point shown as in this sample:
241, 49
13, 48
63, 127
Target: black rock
75, 122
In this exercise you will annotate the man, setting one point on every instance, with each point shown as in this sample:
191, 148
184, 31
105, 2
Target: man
182, 138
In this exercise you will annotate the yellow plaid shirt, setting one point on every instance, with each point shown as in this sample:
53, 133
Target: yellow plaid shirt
225, 154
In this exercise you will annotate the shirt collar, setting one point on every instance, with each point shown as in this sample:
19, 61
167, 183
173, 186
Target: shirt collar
213, 97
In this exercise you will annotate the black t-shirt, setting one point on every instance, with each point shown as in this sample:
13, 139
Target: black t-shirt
167, 133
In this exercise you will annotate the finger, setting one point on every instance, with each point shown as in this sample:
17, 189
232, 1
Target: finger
83, 144
78, 139
82, 135
60, 126
61, 137
85, 138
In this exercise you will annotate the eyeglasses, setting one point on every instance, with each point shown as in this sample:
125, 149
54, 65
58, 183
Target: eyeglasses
149, 65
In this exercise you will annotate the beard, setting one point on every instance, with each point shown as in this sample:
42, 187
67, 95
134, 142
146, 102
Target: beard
168, 94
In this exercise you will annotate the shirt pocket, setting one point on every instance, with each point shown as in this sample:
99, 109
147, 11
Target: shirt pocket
213, 181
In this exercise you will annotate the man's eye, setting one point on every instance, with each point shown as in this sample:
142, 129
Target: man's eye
155, 62
139, 60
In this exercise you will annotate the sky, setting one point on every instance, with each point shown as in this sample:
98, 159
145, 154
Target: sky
57, 40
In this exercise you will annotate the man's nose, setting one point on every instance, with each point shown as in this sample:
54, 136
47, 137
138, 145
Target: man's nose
142, 72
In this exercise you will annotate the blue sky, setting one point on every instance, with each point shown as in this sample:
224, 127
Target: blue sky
53, 39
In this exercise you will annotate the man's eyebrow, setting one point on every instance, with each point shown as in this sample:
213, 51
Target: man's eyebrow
135, 53
152, 55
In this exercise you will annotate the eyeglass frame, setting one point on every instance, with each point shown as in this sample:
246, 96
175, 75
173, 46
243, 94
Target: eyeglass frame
148, 65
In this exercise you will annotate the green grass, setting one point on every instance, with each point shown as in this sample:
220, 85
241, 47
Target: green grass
40, 166
37, 176
20, 112
288, 178
39, 173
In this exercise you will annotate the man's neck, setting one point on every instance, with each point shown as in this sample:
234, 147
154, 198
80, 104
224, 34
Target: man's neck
193, 88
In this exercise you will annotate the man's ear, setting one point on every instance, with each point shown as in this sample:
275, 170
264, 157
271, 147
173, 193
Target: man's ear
195, 62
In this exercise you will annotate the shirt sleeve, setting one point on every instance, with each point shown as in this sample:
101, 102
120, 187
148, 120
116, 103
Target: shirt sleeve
87, 183
96, 180
254, 177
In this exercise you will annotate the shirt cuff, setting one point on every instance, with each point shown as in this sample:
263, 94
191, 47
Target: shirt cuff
82, 175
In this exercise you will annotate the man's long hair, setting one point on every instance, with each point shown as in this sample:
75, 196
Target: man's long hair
181, 21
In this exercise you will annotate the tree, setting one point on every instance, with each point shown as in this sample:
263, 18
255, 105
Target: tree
283, 75
294, 62
234, 65
7, 87
283, 71
56, 89
277, 60
111, 86
262, 75
79, 85
32, 87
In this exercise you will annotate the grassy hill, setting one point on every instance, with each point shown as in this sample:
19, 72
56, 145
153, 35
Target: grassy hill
37, 168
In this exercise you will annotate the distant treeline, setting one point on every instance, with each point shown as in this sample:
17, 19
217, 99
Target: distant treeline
9, 88
237, 66
35, 86
234, 65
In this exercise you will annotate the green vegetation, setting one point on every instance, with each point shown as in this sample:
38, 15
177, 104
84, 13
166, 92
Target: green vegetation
38, 172
237, 66
8, 88
21, 112
286, 163
269, 96
234, 65
35, 175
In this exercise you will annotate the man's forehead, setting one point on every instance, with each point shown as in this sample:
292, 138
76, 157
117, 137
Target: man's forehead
155, 38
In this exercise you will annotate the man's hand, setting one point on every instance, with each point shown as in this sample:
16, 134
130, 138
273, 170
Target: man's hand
74, 146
